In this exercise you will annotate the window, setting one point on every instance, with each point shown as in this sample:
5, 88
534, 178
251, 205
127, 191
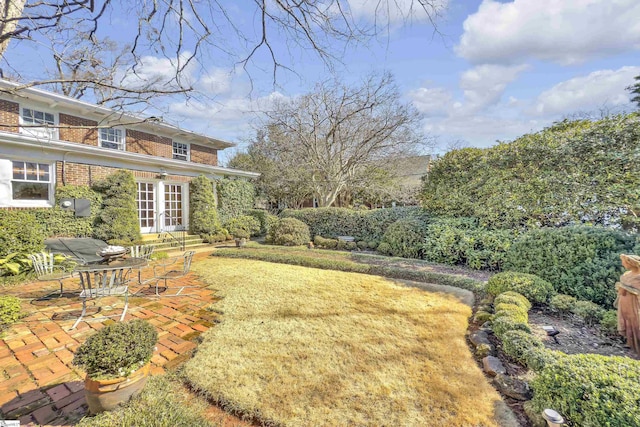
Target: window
112, 138
31, 181
38, 123
180, 151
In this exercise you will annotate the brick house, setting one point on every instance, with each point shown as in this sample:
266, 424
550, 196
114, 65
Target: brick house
48, 140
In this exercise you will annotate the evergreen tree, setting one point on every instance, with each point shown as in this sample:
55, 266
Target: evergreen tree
118, 221
202, 207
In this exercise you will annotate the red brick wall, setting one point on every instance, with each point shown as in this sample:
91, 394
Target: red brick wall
146, 143
83, 174
9, 116
80, 135
205, 155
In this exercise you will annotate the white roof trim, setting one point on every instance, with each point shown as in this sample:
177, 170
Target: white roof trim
56, 100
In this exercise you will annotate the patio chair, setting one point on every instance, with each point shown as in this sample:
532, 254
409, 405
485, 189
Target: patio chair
172, 269
46, 269
142, 252
103, 281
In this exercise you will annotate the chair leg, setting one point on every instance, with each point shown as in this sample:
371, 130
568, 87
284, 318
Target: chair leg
126, 306
84, 311
60, 281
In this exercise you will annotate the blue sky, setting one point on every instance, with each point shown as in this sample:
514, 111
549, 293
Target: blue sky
496, 70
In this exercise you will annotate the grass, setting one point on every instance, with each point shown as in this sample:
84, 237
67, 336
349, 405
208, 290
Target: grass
307, 347
345, 261
162, 403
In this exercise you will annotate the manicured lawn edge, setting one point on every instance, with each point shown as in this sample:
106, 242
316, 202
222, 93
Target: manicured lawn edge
353, 267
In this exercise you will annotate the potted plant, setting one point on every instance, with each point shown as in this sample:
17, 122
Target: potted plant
116, 361
241, 236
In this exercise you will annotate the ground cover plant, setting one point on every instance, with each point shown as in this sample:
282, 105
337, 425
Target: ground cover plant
299, 346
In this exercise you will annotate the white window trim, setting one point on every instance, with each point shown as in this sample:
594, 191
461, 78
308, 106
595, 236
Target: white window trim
188, 150
124, 138
33, 131
35, 203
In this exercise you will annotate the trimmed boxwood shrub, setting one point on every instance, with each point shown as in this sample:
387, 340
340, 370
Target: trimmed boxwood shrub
562, 303
404, 238
288, 232
580, 261
461, 241
117, 350
590, 312
118, 221
518, 345
609, 322
323, 243
202, 207
20, 232
243, 226
511, 297
590, 390
530, 286
9, 311
265, 219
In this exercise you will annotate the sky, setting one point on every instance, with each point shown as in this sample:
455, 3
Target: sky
493, 70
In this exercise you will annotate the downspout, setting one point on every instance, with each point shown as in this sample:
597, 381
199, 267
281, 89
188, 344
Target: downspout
64, 169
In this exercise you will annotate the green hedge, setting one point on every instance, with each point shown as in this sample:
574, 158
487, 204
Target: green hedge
580, 261
531, 286
58, 222
360, 224
235, 198
265, 219
243, 226
462, 241
590, 390
404, 238
202, 207
20, 232
288, 232
118, 221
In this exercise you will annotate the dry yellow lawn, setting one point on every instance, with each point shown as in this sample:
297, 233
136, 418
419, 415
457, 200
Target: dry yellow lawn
307, 347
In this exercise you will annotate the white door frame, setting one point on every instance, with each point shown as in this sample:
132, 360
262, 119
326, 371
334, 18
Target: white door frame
162, 210
154, 207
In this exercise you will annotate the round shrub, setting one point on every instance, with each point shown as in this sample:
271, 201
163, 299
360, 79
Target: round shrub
590, 390
289, 232
321, 242
404, 238
513, 312
536, 358
590, 312
243, 226
580, 261
511, 297
609, 322
117, 350
562, 303
519, 343
9, 311
503, 324
530, 286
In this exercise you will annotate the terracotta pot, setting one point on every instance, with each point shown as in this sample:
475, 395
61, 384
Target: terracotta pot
105, 395
241, 243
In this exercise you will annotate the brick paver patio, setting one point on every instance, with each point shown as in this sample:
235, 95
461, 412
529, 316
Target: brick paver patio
38, 384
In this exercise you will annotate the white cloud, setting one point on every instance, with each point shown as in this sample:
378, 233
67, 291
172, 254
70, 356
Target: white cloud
159, 73
431, 101
216, 81
484, 85
395, 12
563, 31
603, 88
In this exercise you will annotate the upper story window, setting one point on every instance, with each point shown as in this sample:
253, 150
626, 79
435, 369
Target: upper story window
31, 181
38, 123
112, 138
180, 151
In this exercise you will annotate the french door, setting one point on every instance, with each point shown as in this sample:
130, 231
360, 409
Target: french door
173, 216
147, 206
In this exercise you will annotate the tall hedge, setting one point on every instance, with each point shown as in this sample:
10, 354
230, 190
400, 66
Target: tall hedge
361, 224
235, 198
118, 221
20, 232
580, 261
202, 207
570, 173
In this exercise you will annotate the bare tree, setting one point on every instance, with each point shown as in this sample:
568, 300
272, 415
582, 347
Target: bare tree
181, 31
337, 131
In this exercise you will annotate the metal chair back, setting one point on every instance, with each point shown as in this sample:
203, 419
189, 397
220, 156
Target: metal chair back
141, 251
42, 263
173, 268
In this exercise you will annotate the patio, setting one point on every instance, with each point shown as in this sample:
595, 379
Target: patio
40, 386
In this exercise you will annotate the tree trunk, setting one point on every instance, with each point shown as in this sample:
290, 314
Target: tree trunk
11, 9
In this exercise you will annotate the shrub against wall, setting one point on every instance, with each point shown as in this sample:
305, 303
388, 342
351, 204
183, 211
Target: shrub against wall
462, 241
118, 221
58, 222
235, 198
202, 207
580, 261
20, 232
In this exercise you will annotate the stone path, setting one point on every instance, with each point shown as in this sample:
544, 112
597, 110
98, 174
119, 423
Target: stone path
38, 384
